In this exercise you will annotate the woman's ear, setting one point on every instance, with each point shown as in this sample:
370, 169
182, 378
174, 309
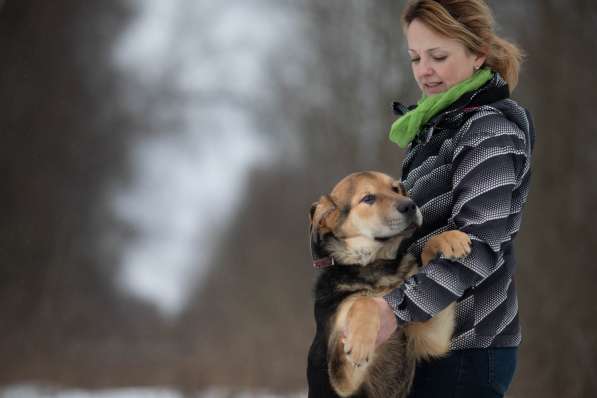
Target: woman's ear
480, 60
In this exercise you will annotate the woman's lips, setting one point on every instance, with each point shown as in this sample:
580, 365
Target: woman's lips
433, 88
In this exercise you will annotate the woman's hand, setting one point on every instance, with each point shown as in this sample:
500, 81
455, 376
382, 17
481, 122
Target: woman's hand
388, 323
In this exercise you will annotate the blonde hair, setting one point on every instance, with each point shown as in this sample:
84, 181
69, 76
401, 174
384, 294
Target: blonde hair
471, 23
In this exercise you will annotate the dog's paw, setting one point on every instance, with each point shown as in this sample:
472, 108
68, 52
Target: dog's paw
360, 345
360, 330
450, 244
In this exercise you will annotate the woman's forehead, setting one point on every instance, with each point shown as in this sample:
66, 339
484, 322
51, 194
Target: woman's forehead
421, 38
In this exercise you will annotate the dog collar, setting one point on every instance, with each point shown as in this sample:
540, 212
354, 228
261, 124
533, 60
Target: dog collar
323, 262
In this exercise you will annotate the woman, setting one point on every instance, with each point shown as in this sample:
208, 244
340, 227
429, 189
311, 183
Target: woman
467, 167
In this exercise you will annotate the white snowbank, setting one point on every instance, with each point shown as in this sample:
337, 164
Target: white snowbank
38, 391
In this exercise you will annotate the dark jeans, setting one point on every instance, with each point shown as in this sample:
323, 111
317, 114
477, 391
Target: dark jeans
477, 373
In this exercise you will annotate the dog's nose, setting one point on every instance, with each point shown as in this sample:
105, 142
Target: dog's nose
406, 206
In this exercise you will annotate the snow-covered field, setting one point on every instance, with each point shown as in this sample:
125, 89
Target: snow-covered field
37, 391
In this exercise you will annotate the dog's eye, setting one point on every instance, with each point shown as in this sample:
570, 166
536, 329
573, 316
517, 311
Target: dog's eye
369, 199
398, 187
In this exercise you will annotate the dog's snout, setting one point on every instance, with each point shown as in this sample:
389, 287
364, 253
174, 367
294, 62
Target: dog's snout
406, 207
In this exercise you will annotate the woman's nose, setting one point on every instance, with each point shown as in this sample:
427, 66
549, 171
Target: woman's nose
424, 69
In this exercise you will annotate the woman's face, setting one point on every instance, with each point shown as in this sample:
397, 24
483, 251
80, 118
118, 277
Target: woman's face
438, 62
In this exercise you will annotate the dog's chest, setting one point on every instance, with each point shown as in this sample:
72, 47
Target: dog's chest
375, 279
374, 282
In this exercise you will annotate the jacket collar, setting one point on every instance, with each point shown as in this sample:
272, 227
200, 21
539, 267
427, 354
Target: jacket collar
494, 90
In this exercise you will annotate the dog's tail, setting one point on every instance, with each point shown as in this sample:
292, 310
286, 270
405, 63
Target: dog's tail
345, 378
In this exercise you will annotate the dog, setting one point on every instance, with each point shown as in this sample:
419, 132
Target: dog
359, 233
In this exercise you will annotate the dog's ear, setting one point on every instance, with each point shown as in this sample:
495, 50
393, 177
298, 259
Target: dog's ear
323, 217
399, 188
312, 212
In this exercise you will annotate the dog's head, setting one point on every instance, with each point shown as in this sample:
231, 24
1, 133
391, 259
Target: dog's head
363, 219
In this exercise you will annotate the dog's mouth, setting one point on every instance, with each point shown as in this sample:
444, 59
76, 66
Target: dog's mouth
405, 232
385, 239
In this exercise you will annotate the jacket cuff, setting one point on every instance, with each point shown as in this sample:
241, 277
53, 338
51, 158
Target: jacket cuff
395, 300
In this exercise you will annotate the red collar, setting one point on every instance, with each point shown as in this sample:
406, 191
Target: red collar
323, 262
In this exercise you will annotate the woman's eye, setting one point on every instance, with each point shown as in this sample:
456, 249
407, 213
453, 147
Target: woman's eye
415, 60
440, 59
368, 199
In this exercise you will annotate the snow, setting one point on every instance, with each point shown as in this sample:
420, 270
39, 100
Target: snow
38, 391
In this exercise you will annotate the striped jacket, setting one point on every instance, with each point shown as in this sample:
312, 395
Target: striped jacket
469, 169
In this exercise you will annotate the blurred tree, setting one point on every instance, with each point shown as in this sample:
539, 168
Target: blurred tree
60, 147
556, 275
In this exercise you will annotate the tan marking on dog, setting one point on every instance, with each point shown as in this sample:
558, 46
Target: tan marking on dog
352, 288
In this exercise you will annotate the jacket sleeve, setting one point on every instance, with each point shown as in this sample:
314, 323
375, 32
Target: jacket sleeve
487, 166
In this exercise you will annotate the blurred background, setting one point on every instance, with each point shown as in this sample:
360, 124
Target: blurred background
158, 159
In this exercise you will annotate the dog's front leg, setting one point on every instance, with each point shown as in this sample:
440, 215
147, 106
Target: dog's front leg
361, 329
351, 344
451, 244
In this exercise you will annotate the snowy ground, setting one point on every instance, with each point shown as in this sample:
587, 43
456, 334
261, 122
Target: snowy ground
36, 391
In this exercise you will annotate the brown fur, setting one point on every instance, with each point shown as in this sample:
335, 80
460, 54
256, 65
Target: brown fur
358, 231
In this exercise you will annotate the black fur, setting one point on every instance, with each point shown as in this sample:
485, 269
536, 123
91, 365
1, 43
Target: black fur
334, 285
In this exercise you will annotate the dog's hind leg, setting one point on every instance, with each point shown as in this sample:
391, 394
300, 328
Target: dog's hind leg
431, 339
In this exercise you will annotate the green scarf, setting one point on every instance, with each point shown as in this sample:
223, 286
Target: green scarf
405, 129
